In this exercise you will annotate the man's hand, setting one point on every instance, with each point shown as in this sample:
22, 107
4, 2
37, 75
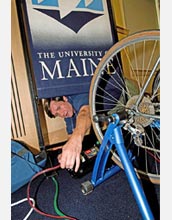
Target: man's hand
70, 155
72, 149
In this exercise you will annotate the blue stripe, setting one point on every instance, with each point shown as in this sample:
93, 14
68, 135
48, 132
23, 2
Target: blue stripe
96, 5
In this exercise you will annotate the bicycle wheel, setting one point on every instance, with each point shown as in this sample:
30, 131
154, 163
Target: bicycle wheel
126, 79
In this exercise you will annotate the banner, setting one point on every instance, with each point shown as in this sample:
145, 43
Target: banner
66, 40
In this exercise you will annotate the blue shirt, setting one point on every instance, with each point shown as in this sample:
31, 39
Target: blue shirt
77, 101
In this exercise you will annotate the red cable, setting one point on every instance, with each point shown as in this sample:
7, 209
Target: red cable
157, 159
30, 202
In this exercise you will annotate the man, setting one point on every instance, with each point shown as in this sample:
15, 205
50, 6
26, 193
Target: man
75, 111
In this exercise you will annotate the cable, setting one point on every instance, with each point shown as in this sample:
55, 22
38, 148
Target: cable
37, 210
23, 200
55, 199
56, 208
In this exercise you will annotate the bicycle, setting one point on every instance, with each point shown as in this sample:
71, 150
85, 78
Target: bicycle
127, 80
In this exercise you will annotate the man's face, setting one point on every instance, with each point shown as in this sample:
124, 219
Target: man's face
62, 109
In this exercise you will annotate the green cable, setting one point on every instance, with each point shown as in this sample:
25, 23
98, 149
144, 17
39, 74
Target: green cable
55, 199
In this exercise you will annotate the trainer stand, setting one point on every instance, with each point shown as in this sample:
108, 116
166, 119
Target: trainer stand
113, 138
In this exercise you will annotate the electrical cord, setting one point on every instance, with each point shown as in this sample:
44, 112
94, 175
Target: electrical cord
56, 198
23, 200
56, 208
61, 215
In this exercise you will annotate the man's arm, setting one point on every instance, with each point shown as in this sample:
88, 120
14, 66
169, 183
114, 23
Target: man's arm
83, 121
72, 149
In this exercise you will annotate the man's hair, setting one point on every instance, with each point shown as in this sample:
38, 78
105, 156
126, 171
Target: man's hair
46, 105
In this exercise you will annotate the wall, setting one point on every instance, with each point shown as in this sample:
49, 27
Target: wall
140, 15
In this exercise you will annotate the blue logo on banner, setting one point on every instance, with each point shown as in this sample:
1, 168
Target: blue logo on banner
70, 13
